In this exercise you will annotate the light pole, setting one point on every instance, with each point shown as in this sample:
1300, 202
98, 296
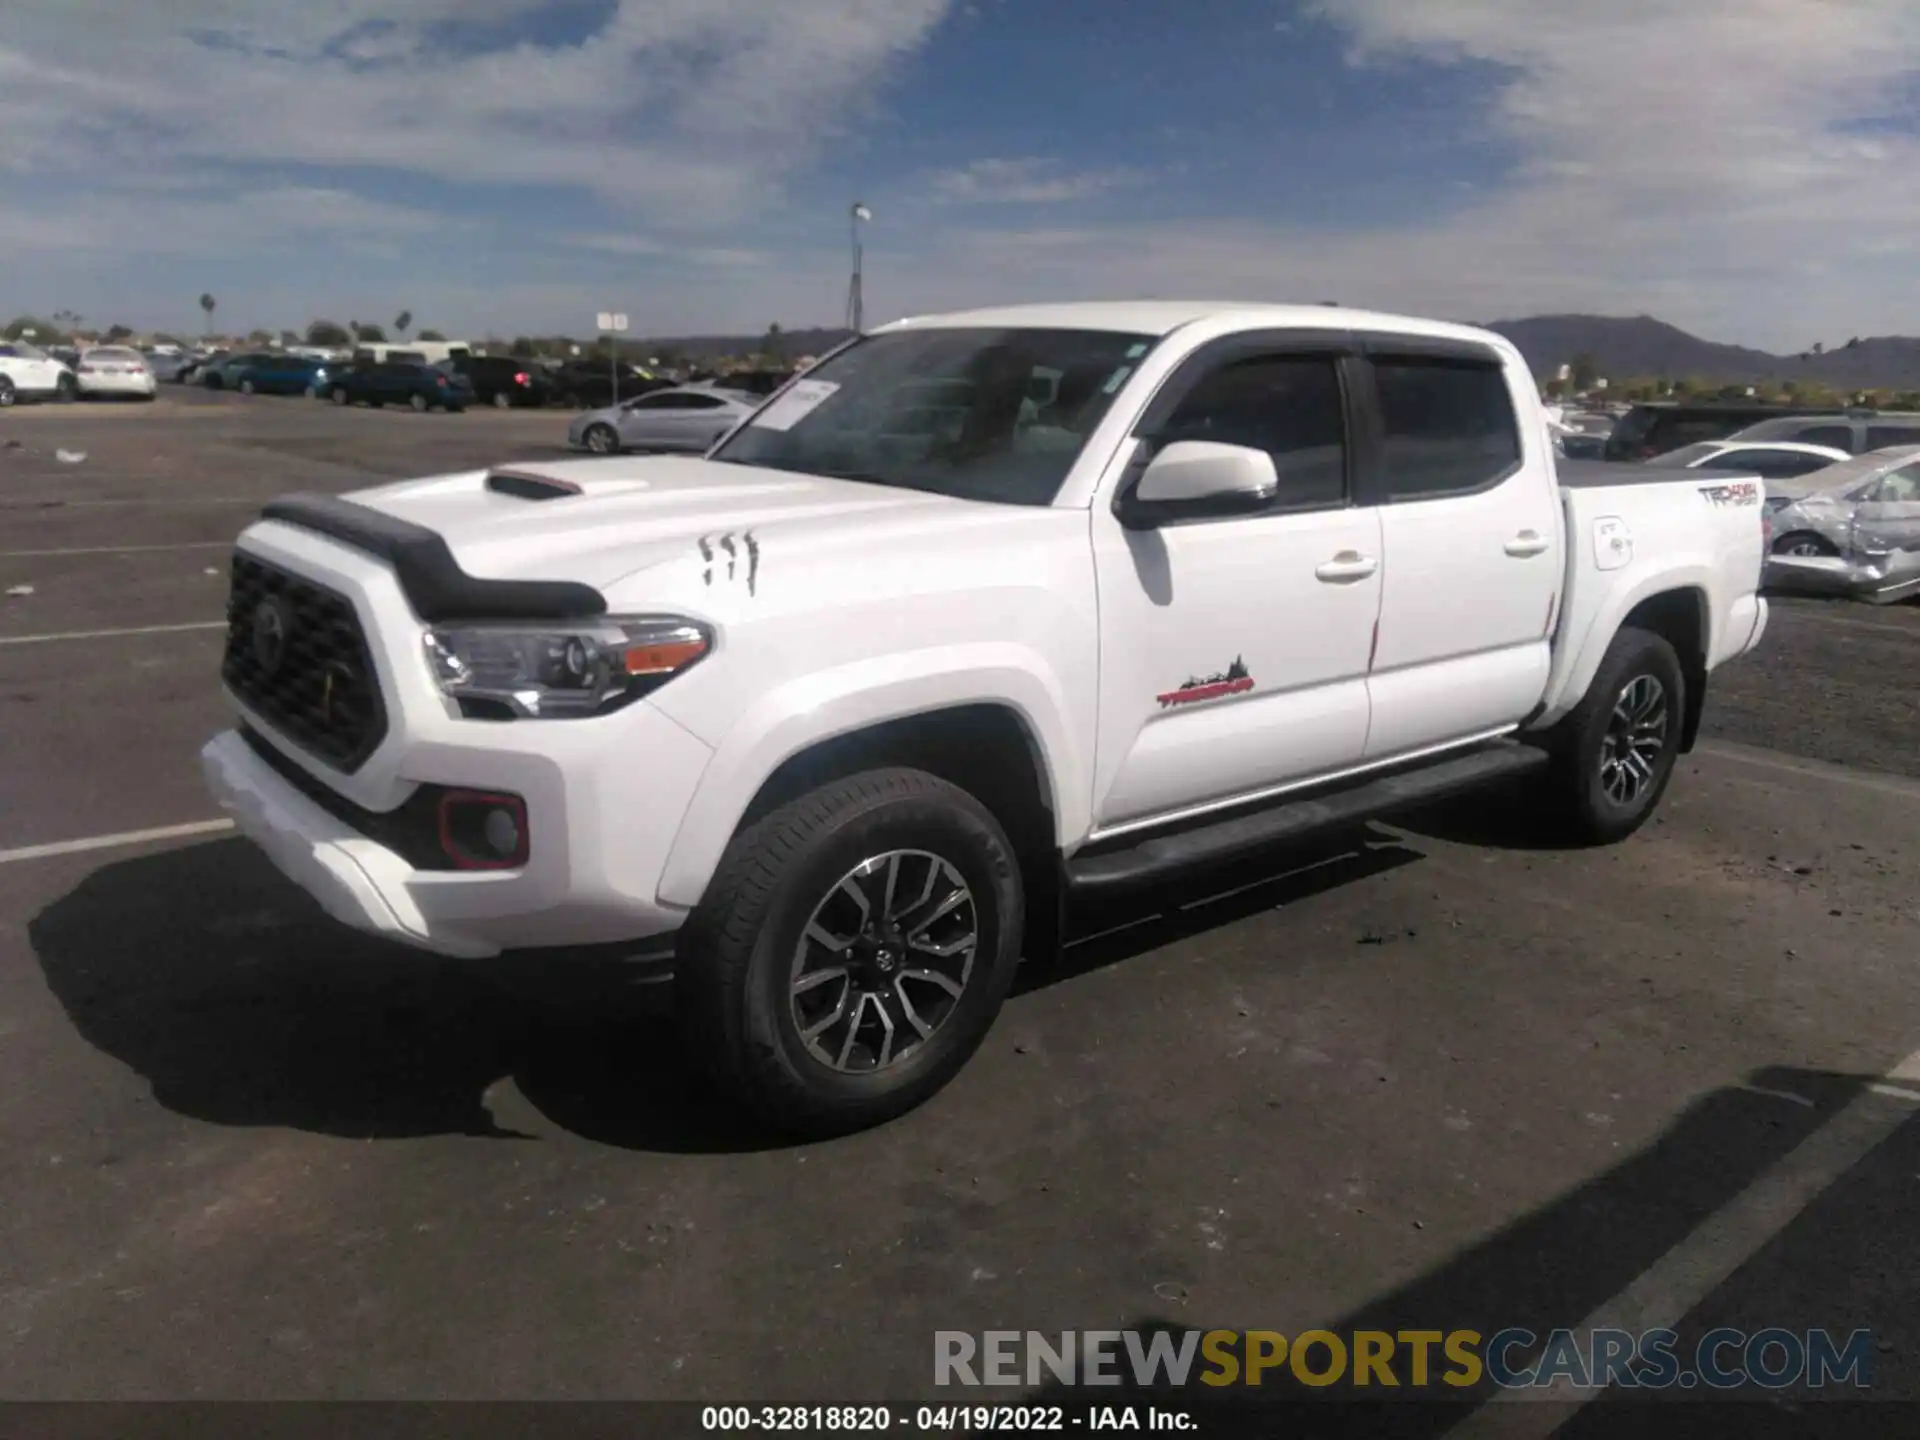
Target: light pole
854, 304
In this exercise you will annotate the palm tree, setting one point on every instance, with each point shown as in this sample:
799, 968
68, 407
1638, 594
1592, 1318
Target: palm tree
207, 303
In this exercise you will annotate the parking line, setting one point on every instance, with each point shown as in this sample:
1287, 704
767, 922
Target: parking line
111, 634
108, 842
113, 550
1895, 785
1668, 1290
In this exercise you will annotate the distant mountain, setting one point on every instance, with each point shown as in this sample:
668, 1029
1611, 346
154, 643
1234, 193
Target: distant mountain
1643, 346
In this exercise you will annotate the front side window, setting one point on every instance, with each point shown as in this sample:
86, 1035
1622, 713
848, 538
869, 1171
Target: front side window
1286, 405
1449, 425
1885, 437
1897, 487
945, 410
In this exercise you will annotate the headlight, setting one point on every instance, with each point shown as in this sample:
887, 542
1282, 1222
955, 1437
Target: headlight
562, 671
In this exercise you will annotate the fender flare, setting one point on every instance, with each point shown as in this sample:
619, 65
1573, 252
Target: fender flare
826, 705
1571, 675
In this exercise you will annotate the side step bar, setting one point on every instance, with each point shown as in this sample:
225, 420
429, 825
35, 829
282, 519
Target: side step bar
1157, 856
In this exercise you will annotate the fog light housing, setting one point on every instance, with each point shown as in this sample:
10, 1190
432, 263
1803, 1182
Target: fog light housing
483, 830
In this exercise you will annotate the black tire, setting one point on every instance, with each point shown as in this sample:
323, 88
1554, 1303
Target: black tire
246, 387
7, 393
1591, 744
602, 439
737, 956
1805, 542
419, 402
502, 400
339, 395
66, 389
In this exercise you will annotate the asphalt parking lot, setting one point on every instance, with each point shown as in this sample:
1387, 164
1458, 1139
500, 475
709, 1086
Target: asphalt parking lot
1442, 1076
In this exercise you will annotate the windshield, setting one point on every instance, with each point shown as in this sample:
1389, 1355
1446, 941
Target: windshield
978, 414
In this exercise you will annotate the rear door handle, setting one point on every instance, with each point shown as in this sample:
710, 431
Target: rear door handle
1526, 543
1346, 567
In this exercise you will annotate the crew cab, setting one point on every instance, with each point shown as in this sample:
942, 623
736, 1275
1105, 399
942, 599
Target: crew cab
836, 717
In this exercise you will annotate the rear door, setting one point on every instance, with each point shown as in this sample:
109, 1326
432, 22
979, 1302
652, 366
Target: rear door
1471, 533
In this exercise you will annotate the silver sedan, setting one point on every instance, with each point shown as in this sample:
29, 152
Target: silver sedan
684, 419
1851, 529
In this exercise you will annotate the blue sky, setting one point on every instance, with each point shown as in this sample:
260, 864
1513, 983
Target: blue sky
512, 165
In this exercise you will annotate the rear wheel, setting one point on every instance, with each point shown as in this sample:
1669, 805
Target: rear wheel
502, 400
1805, 543
420, 403
601, 439
339, 395
1616, 750
7, 393
852, 951
246, 387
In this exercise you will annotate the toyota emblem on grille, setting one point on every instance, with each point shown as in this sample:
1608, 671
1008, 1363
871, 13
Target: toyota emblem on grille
270, 621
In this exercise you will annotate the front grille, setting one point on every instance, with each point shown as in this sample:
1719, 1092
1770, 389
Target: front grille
297, 657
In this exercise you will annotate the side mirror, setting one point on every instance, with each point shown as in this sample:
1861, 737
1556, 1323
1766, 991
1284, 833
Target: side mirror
1199, 477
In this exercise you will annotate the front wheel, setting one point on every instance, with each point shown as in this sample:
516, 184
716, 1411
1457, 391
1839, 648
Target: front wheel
601, 440
339, 395
502, 400
1616, 751
246, 387
420, 403
7, 393
852, 951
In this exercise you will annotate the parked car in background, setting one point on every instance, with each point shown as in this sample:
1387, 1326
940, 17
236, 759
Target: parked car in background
114, 370
1662, 425
281, 375
224, 373
400, 382
166, 365
1782, 460
504, 380
194, 370
1856, 432
588, 384
29, 373
747, 382
687, 419
1851, 529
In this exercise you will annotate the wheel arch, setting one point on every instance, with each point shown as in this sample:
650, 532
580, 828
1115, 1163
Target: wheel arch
1679, 616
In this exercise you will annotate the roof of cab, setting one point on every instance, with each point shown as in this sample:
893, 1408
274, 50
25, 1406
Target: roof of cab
1159, 317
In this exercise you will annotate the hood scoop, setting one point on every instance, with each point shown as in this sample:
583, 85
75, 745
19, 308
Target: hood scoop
525, 485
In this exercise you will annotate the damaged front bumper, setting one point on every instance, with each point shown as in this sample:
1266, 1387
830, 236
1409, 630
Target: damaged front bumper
1881, 578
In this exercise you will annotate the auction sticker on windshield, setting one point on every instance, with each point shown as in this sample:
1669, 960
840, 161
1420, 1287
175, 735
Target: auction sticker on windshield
796, 402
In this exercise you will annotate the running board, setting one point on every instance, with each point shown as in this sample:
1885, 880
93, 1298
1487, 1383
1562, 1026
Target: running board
1168, 853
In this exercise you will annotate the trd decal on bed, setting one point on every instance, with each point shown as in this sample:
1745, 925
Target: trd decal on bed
1234, 680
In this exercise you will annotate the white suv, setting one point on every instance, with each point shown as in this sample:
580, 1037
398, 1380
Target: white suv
29, 373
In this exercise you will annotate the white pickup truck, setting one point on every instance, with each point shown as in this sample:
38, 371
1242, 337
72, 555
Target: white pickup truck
985, 611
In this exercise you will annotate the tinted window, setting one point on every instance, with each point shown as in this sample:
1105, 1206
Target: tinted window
1685, 456
701, 402
1881, 437
1838, 436
1899, 487
1770, 464
662, 400
1288, 406
1449, 425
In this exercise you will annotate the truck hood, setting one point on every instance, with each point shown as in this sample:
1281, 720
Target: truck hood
612, 518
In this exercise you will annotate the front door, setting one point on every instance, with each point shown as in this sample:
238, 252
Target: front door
1887, 523
1233, 650
1470, 524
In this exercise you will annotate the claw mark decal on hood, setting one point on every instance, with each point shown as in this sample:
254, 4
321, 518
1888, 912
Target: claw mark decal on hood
1738, 492
1234, 680
726, 544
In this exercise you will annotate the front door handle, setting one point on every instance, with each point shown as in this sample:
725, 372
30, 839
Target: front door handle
1346, 567
1527, 543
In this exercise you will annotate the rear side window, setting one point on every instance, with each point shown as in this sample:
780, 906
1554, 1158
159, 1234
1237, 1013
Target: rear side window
1769, 464
1288, 406
1840, 437
1882, 437
1449, 426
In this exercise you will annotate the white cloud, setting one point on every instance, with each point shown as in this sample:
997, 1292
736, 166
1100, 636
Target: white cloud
1026, 181
684, 112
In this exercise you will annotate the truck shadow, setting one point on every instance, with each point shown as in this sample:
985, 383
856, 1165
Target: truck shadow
1839, 1264
241, 1003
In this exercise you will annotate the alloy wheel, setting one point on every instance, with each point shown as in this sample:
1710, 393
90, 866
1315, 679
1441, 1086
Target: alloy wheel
884, 961
1636, 734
